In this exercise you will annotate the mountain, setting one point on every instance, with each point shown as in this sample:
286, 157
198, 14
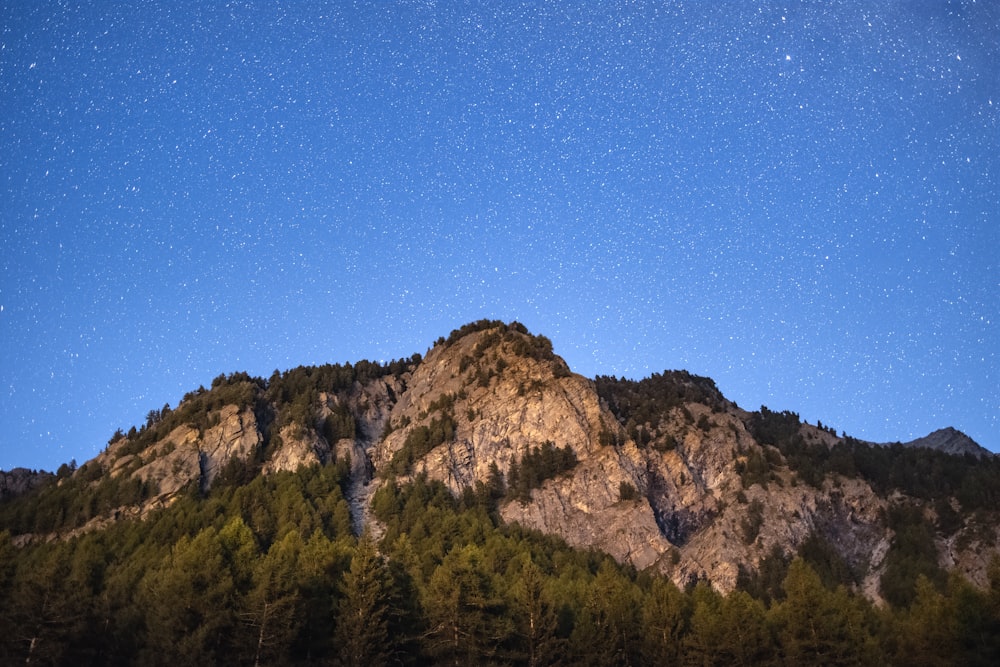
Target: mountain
19, 481
664, 474
951, 441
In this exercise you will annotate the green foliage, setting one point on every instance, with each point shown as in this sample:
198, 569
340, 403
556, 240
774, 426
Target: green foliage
467, 623
783, 430
911, 556
292, 397
916, 471
264, 573
754, 469
607, 628
339, 424
74, 501
535, 615
705, 424
444, 403
646, 401
517, 340
198, 410
362, 633
479, 325
642, 406
929, 475
817, 626
752, 521
532, 347
266, 570
928, 630
536, 466
766, 583
665, 616
627, 491
828, 564
421, 440
730, 630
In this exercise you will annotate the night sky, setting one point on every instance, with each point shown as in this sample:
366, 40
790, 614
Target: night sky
800, 200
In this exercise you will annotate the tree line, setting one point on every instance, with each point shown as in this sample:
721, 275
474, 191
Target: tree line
269, 572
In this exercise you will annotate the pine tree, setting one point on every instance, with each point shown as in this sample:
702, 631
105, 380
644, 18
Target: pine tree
464, 613
607, 632
927, 633
188, 603
663, 623
818, 626
272, 610
536, 617
362, 628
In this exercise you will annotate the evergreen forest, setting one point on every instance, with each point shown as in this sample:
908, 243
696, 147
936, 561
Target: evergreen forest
268, 572
269, 569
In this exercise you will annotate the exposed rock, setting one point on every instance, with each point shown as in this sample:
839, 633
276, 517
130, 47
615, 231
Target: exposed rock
690, 519
585, 509
522, 405
18, 481
187, 456
178, 462
236, 436
299, 448
670, 494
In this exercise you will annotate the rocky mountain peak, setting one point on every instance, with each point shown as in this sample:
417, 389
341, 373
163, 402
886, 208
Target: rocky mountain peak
662, 473
950, 441
481, 400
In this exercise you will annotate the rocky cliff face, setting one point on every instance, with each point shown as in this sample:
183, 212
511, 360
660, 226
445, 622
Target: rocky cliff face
671, 478
694, 513
500, 403
687, 515
18, 481
186, 455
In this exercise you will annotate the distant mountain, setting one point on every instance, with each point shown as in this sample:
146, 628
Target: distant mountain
19, 481
951, 441
663, 474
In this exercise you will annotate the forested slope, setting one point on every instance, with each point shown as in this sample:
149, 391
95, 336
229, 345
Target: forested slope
483, 505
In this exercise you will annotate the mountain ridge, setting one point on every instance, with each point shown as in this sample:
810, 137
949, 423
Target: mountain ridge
666, 473
950, 441
483, 504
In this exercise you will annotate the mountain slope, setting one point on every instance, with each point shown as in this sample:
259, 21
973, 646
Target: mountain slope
950, 441
663, 474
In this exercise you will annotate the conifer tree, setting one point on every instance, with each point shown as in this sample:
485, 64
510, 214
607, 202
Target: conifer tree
362, 636
663, 623
818, 626
272, 609
464, 613
188, 603
536, 617
927, 633
607, 633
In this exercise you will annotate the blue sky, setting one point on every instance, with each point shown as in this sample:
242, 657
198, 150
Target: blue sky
798, 199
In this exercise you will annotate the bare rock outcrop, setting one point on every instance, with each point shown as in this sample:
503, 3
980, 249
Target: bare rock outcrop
175, 462
299, 447
687, 511
586, 509
501, 403
186, 455
18, 481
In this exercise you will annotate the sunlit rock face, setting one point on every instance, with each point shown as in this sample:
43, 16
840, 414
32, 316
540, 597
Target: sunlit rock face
675, 492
